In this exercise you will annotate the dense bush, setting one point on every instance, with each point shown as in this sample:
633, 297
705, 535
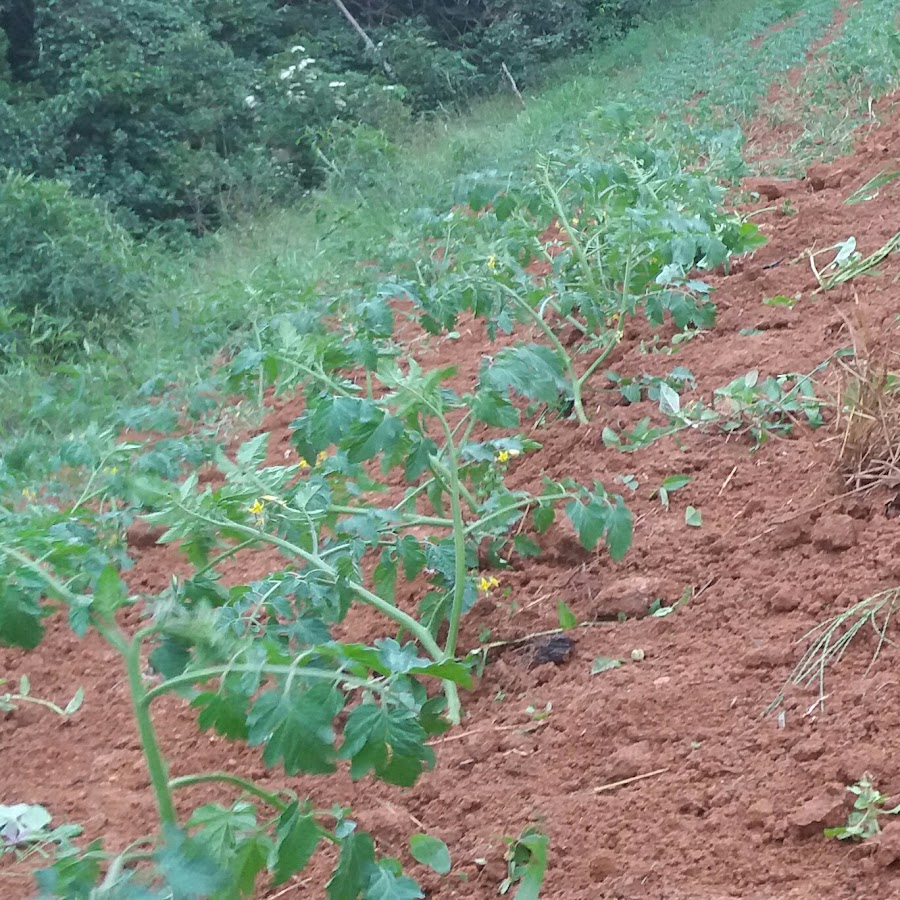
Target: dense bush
64, 264
185, 113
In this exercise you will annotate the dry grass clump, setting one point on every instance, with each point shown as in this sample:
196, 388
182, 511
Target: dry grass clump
870, 416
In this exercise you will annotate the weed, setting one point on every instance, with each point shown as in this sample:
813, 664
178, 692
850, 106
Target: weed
10, 700
868, 807
869, 454
829, 640
526, 864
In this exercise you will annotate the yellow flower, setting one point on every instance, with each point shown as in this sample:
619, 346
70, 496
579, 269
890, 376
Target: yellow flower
574, 220
257, 508
29, 495
504, 456
492, 263
321, 458
302, 463
485, 584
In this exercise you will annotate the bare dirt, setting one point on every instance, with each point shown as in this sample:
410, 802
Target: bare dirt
734, 803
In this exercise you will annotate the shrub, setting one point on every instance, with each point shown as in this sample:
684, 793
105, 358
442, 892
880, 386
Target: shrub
64, 261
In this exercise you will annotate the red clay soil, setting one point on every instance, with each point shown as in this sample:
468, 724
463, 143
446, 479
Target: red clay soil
734, 804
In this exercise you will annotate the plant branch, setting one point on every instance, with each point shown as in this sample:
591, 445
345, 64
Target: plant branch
226, 778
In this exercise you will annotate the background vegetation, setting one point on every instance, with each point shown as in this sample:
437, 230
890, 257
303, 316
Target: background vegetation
374, 174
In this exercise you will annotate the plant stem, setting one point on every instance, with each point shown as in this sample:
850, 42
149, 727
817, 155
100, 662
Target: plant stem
226, 778
570, 231
153, 758
407, 520
564, 356
329, 382
520, 504
392, 612
459, 543
599, 360
47, 704
200, 675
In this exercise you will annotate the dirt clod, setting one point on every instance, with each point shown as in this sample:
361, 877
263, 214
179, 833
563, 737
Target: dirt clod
602, 864
888, 848
826, 810
630, 597
835, 533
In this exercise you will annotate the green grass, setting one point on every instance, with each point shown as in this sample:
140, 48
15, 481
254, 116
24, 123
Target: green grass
214, 295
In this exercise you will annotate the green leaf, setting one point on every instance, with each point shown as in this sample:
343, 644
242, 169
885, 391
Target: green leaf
109, 592
354, 866
526, 547
298, 835
297, 727
619, 529
224, 712
252, 453
535, 868
494, 409
604, 664
589, 521
693, 517
388, 741
412, 556
566, 616
543, 517
384, 884
781, 300
532, 370
189, 868
676, 482
384, 577
218, 828
75, 703
431, 852
20, 618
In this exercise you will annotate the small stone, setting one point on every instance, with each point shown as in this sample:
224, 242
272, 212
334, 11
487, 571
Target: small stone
835, 533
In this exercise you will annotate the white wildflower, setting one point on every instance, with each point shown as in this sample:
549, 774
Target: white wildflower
337, 84
298, 49
250, 101
284, 74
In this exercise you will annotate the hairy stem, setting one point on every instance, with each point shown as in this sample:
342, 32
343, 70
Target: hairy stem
226, 778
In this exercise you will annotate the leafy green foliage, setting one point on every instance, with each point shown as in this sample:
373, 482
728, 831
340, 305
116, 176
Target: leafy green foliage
526, 861
869, 805
431, 852
67, 271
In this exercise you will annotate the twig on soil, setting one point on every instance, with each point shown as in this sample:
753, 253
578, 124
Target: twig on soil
727, 481
391, 808
617, 784
526, 729
285, 891
512, 642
